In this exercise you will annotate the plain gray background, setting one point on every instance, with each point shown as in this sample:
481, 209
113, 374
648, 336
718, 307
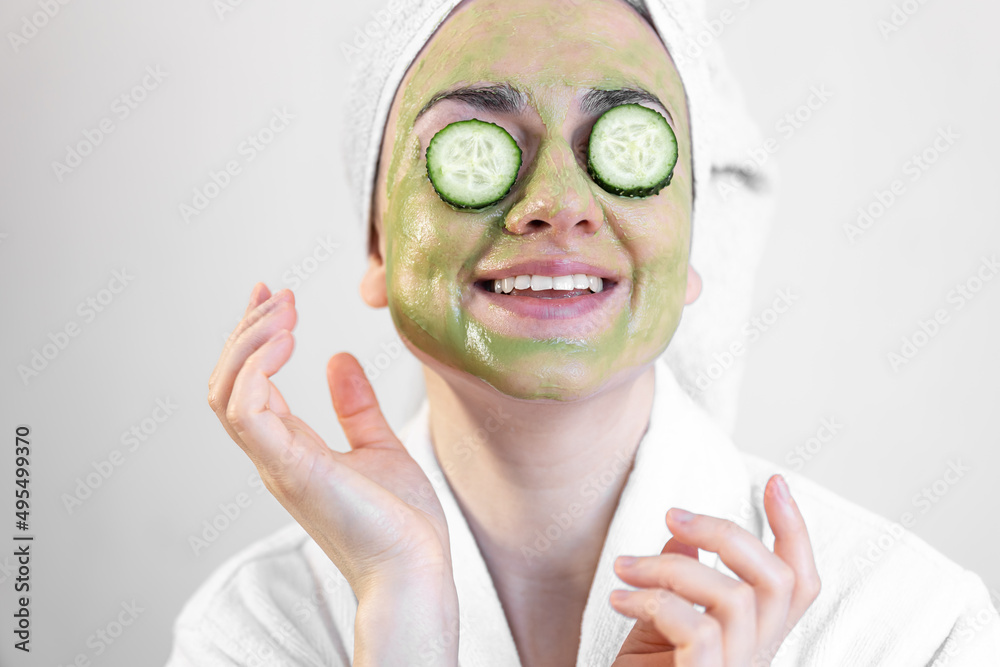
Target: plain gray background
899, 429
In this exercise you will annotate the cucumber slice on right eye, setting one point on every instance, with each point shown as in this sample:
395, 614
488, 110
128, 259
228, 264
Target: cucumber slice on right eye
632, 151
472, 163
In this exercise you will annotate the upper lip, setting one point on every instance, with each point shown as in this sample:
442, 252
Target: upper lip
549, 267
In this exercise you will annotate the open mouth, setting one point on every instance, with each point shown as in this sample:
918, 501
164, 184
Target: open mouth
549, 298
546, 287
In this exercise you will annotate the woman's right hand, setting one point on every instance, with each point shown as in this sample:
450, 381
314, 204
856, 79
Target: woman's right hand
372, 510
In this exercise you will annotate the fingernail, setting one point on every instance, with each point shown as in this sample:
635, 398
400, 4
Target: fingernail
626, 561
781, 487
681, 516
276, 299
619, 596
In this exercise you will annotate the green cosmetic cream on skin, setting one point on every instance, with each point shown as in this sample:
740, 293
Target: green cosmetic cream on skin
435, 252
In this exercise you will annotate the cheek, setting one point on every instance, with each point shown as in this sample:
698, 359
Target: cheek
656, 235
417, 254
430, 250
656, 232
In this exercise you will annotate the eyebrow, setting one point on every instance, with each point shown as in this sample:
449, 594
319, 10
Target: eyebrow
500, 98
597, 101
506, 99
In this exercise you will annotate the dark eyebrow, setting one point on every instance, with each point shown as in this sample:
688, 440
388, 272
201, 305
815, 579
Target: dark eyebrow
505, 98
596, 101
501, 98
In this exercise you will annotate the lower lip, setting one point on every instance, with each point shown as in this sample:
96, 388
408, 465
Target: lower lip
535, 317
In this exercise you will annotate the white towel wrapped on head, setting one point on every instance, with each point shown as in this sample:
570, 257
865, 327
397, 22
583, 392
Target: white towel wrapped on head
730, 223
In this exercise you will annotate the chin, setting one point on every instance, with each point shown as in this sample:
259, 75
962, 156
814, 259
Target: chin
557, 384
557, 381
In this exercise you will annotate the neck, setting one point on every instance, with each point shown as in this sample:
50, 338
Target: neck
537, 481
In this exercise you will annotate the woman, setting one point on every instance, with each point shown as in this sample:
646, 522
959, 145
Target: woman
555, 437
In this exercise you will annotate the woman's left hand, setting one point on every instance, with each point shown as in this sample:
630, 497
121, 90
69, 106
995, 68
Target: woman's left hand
745, 620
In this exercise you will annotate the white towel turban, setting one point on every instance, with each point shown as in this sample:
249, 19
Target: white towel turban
730, 223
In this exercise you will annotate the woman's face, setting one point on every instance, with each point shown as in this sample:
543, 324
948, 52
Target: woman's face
554, 57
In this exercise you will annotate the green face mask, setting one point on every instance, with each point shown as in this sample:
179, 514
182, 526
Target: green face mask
440, 260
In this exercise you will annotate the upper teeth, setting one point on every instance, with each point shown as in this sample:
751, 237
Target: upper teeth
537, 283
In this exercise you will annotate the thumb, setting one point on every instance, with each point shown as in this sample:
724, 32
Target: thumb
356, 405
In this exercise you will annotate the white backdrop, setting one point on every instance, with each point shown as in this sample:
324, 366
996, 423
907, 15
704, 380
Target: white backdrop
127, 297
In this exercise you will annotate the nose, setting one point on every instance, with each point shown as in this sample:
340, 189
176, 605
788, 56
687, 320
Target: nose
557, 198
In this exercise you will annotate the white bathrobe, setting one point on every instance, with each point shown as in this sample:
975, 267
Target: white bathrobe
888, 598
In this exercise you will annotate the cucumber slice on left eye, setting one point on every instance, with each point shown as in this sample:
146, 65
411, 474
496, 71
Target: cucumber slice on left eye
632, 151
472, 163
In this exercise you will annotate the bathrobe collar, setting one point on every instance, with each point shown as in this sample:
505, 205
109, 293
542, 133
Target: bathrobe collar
684, 460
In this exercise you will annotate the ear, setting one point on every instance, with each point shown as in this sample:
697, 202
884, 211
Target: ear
693, 286
373, 283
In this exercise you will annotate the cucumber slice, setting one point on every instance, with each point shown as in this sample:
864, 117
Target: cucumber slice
632, 151
472, 163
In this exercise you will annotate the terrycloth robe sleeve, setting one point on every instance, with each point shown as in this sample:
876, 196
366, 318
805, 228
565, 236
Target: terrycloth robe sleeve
974, 639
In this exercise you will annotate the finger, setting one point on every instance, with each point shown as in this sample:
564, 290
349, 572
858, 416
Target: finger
258, 295
277, 402
262, 433
697, 636
256, 310
792, 545
279, 407
732, 602
675, 546
278, 312
356, 405
251, 320
747, 557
